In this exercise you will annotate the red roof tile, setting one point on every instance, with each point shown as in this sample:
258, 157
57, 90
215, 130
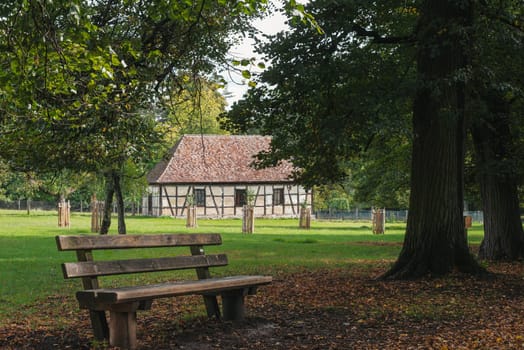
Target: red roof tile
218, 159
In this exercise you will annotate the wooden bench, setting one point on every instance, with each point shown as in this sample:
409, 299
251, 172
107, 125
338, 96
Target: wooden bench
122, 303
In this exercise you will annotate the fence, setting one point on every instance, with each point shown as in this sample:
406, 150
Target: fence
133, 208
79, 207
24, 204
391, 215
360, 214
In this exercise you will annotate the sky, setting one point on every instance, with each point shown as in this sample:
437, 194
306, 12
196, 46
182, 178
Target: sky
237, 86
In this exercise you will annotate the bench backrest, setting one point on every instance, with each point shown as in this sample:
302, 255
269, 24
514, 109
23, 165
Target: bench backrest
88, 269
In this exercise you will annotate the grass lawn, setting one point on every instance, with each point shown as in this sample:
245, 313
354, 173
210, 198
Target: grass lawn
323, 296
30, 263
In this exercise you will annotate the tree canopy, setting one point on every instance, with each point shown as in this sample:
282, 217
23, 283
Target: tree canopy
327, 99
80, 78
82, 83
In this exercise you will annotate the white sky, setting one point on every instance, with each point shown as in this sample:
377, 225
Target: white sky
237, 86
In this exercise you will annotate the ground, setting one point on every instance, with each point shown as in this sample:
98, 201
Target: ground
345, 308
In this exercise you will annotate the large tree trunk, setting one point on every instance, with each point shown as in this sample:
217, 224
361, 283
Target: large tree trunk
503, 234
435, 241
108, 205
119, 204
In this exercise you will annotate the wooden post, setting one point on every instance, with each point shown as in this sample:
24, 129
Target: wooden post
248, 219
64, 213
378, 219
468, 221
305, 218
97, 208
191, 220
60, 212
68, 214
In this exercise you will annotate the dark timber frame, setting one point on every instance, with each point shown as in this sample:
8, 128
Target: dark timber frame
219, 200
122, 303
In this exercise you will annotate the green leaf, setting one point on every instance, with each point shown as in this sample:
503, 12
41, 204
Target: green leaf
115, 61
246, 74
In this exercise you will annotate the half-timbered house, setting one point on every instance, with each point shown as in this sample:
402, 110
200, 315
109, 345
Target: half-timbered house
215, 173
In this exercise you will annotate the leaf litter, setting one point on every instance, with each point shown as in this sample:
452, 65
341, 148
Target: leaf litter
342, 308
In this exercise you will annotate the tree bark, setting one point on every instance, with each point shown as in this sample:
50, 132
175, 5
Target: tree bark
435, 241
119, 204
503, 233
108, 205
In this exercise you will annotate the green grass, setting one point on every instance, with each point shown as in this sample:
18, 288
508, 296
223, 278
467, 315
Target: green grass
30, 263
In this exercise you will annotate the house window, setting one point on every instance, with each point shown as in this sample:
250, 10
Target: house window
200, 197
240, 198
278, 196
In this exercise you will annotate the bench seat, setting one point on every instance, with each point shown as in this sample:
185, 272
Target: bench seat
97, 298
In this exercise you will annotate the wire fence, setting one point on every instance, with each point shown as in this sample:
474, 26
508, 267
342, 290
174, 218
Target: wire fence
360, 214
76, 206
134, 208
391, 215
25, 205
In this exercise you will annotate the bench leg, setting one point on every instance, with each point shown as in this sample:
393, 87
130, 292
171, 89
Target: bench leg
233, 305
212, 308
122, 329
99, 324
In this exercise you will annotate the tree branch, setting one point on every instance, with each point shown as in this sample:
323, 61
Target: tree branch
497, 15
379, 39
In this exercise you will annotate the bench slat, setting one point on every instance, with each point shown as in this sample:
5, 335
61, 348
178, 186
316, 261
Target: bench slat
118, 267
88, 242
88, 298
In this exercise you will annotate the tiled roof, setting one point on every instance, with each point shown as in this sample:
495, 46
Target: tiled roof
217, 159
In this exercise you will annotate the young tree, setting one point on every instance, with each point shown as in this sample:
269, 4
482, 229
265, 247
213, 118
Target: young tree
4, 177
195, 111
78, 78
22, 185
381, 176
